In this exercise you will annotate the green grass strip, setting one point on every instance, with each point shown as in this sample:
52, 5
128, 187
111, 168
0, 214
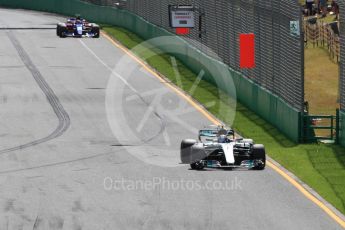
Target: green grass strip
318, 165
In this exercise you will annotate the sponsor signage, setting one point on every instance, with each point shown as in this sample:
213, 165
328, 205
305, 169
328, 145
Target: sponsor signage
247, 51
294, 28
182, 16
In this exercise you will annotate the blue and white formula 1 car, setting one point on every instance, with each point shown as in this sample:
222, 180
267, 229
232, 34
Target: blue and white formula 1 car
77, 27
218, 148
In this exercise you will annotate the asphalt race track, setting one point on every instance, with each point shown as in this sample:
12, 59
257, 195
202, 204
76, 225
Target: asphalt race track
62, 166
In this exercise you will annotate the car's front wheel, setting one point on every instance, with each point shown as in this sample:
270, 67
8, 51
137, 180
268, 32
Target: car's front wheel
197, 166
96, 31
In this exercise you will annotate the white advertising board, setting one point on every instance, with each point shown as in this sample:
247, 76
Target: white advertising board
182, 16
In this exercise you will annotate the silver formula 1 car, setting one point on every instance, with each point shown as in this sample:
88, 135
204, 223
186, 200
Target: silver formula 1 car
218, 147
77, 27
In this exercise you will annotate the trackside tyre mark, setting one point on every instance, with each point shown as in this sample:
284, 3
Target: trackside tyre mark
62, 115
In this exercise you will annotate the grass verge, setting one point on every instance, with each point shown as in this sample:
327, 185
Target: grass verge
319, 166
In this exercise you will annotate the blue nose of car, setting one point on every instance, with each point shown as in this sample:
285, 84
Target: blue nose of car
79, 29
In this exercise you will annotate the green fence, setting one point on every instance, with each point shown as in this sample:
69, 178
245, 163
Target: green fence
261, 101
321, 128
342, 128
268, 106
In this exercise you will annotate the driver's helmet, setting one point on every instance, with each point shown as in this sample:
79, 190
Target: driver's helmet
222, 139
78, 20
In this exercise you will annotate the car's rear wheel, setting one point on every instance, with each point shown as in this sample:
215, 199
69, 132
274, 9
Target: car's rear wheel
58, 29
259, 155
63, 31
186, 150
96, 31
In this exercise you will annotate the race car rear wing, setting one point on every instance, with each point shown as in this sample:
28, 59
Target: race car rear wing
214, 133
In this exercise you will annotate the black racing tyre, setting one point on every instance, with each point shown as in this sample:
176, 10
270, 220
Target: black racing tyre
259, 153
63, 30
186, 150
197, 166
58, 28
96, 31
